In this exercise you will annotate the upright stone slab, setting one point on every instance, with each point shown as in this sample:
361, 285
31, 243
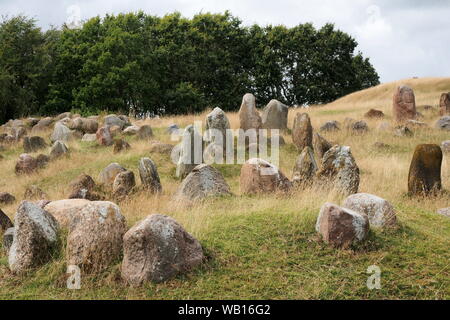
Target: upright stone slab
249, 117
404, 104
191, 154
61, 132
305, 168
321, 145
58, 149
275, 115
33, 144
217, 125
444, 104
302, 131
425, 170
149, 175
108, 174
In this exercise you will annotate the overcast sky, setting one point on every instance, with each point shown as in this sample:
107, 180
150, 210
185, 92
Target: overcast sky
403, 38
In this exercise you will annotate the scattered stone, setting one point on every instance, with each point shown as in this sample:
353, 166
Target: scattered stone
120, 145
380, 212
113, 120
443, 123
108, 175
8, 238
33, 144
275, 115
35, 238
89, 126
260, 176
173, 129
123, 184
305, 168
42, 160
149, 175
33, 192
191, 154
42, 125
341, 227
157, 249
83, 188
217, 125
131, 131
202, 182
339, 167
104, 137
58, 149
330, 126
145, 132
321, 145
372, 113
382, 146
249, 117
18, 133
61, 133
444, 212
404, 104
65, 210
444, 104
63, 115
115, 130
95, 236
26, 164
403, 131
5, 222
302, 131
425, 171
162, 148
445, 146
6, 198
89, 137
359, 127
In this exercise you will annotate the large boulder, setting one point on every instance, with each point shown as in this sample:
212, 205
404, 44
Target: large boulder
321, 145
341, 227
26, 164
89, 126
61, 133
275, 115
5, 222
149, 175
95, 236
114, 120
64, 210
249, 117
83, 188
108, 175
260, 176
131, 130
444, 104
305, 168
145, 132
157, 249
191, 154
42, 125
339, 168
33, 144
89, 137
104, 136
35, 238
425, 170
443, 123
380, 212
404, 104
6, 198
202, 182
120, 145
123, 184
58, 149
302, 131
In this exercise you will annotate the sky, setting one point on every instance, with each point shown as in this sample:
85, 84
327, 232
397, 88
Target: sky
402, 38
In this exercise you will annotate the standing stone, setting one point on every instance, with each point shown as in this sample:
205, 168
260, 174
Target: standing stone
339, 168
60, 132
444, 104
275, 115
26, 164
302, 131
33, 144
359, 127
191, 154
123, 184
64, 210
445, 146
173, 129
104, 136
95, 236
321, 145
6, 198
202, 182
157, 249
145, 132
443, 123
380, 212
43, 124
35, 238
330, 126
260, 176
341, 227
58, 149
305, 168
33, 192
83, 188
149, 175
249, 117
217, 120
42, 160
404, 104
108, 175
89, 126
120, 145
425, 170
8, 239
5, 222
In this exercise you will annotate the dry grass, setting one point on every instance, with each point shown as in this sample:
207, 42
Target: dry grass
264, 246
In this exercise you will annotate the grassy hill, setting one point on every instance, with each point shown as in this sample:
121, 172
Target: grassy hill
265, 247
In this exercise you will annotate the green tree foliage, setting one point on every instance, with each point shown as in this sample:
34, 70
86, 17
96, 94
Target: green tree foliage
172, 64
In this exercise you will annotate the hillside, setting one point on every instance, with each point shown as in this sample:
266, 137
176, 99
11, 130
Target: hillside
265, 247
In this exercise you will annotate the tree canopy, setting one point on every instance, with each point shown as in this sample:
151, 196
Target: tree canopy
172, 64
